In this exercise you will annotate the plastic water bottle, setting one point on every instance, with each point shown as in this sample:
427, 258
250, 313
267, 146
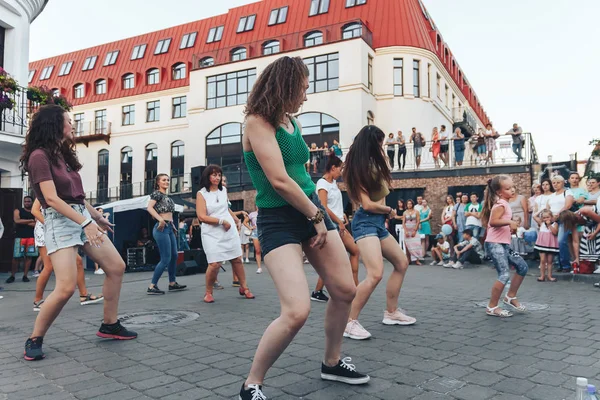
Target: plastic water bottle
591, 393
581, 389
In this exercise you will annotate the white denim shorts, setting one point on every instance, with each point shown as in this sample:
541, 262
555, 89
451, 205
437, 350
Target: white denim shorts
61, 232
38, 234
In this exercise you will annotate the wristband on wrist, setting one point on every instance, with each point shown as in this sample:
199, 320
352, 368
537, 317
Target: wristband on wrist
86, 222
319, 216
221, 222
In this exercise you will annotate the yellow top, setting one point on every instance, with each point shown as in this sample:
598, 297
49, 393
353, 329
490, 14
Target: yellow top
382, 192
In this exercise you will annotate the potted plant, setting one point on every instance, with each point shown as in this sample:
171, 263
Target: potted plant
7, 83
6, 103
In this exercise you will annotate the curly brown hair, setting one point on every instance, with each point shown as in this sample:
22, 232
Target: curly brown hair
277, 90
46, 132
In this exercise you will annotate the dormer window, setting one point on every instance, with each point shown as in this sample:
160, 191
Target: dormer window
246, 24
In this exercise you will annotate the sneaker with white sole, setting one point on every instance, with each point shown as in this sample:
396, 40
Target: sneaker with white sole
259, 271
344, 372
254, 392
99, 271
440, 264
597, 271
433, 262
37, 305
457, 265
247, 261
354, 330
398, 317
449, 265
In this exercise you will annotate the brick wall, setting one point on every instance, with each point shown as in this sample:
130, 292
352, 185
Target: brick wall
436, 190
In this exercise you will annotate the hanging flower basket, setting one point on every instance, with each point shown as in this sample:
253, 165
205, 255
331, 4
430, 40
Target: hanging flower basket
7, 83
42, 96
6, 103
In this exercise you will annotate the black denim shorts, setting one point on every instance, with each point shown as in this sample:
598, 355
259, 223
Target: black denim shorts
285, 225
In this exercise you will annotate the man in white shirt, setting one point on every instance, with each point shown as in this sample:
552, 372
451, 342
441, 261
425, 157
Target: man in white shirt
444, 144
473, 214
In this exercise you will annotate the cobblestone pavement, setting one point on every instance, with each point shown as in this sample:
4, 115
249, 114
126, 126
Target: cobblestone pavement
454, 351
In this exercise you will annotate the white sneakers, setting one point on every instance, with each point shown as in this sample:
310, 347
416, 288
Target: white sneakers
247, 261
99, 271
354, 330
597, 271
398, 317
259, 271
440, 264
455, 265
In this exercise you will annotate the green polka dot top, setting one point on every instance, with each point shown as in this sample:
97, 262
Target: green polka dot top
295, 155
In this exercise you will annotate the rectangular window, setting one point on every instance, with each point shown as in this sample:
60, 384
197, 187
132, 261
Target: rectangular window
246, 23
78, 120
162, 46
229, 89
179, 107
138, 52
398, 77
352, 3
447, 98
46, 72
111, 58
31, 74
89, 63
215, 34
128, 115
416, 79
101, 125
439, 86
318, 7
65, 69
188, 40
153, 111
429, 80
370, 73
324, 73
453, 100
278, 16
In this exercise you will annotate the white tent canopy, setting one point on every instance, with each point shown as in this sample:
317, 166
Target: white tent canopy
137, 203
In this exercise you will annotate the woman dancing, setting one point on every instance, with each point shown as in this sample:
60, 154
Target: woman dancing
290, 220
50, 159
161, 208
368, 178
85, 297
331, 199
220, 238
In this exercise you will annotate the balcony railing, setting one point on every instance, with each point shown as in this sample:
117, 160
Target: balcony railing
331, 34
86, 132
14, 121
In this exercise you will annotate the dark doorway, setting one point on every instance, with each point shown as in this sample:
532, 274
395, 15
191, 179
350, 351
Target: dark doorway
10, 199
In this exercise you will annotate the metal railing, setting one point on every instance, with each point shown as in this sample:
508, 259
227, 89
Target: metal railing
15, 121
92, 128
331, 34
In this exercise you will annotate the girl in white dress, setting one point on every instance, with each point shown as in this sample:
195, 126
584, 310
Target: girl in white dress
220, 238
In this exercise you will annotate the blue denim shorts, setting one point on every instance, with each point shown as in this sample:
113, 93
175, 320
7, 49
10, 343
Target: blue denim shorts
503, 257
285, 225
365, 224
60, 232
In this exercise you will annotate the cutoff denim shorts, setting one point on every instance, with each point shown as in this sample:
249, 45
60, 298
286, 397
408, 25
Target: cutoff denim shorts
285, 225
366, 224
60, 232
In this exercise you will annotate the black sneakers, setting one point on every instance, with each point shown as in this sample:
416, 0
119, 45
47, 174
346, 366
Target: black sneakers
154, 290
115, 331
254, 392
10, 279
344, 372
33, 349
319, 296
25, 278
176, 287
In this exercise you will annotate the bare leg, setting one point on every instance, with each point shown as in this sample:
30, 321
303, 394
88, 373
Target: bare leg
352, 249
14, 266
238, 269
81, 277
42, 280
394, 255
27, 266
497, 289
543, 263
515, 284
257, 252
370, 251
320, 285
549, 261
575, 242
211, 276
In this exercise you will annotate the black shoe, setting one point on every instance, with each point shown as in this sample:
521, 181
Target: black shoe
319, 296
10, 279
254, 392
176, 287
33, 349
236, 284
115, 331
154, 290
25, 279
344, 372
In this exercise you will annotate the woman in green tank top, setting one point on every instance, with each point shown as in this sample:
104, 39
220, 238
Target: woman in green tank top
291, 220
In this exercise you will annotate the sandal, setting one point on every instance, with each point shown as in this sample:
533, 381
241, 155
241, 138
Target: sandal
540, 279
90, 299
508, 301
553, 279
502, 314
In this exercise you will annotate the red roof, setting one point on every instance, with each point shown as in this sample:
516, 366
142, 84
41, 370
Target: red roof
392, 23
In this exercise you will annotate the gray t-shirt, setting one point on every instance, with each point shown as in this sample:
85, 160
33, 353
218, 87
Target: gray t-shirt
390, 142
517, 139
417, 140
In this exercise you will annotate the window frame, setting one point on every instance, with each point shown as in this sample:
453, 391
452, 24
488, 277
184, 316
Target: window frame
126, 78
76, 88
188, 40
223, 83
128, 115
400, 85
270, 45
100, 116
154, 111
78, 122
370, 73
215, 34
275, 17
318, 7
111, 58
236, 52
314, 39
46, 72
138, 52
201, 63
31, 75
150, 72
417, 82
177, 68
313, 64
355, 3
246, 23
162, 46
89, 63
65, 68
355, 29
100, 83
181, 106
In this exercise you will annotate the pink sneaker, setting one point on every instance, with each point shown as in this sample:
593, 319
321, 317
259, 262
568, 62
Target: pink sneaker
354, 330
397, 318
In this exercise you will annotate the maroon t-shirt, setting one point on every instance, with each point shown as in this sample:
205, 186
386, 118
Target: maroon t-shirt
67, 182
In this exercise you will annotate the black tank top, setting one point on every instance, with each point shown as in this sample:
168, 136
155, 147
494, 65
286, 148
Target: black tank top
24, 231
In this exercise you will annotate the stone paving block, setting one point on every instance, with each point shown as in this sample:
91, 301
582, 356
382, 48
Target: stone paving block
489, 365
548, 378
219, 381
474, 392
513, 386
125, 394
542, 392
77, 378
150, 383
34, 393
191, 394
398, 392
160, 392
483, 378
99, 391
133, 375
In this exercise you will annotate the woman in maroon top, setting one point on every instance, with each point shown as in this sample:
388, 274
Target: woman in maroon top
50, 159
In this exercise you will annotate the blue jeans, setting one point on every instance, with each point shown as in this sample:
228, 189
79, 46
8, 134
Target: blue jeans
503, 257
167, 247
564, 256
516, 148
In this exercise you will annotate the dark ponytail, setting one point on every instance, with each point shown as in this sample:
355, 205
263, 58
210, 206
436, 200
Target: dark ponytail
333, 161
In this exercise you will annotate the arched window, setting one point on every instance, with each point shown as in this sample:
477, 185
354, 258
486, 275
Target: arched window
352, 30
102, 185
128, 81
271, 47
177, 166
126, 155
239, 54
125, 185
100, 86
153, 76
179, 71
370, 118
224, 145
55, 92
206, 62
78, 91
151, 165
319, 128
313, 39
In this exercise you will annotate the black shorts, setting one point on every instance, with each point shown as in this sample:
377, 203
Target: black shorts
285, 225
444, 148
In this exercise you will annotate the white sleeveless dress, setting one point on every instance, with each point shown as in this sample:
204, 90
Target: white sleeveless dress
219, 244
